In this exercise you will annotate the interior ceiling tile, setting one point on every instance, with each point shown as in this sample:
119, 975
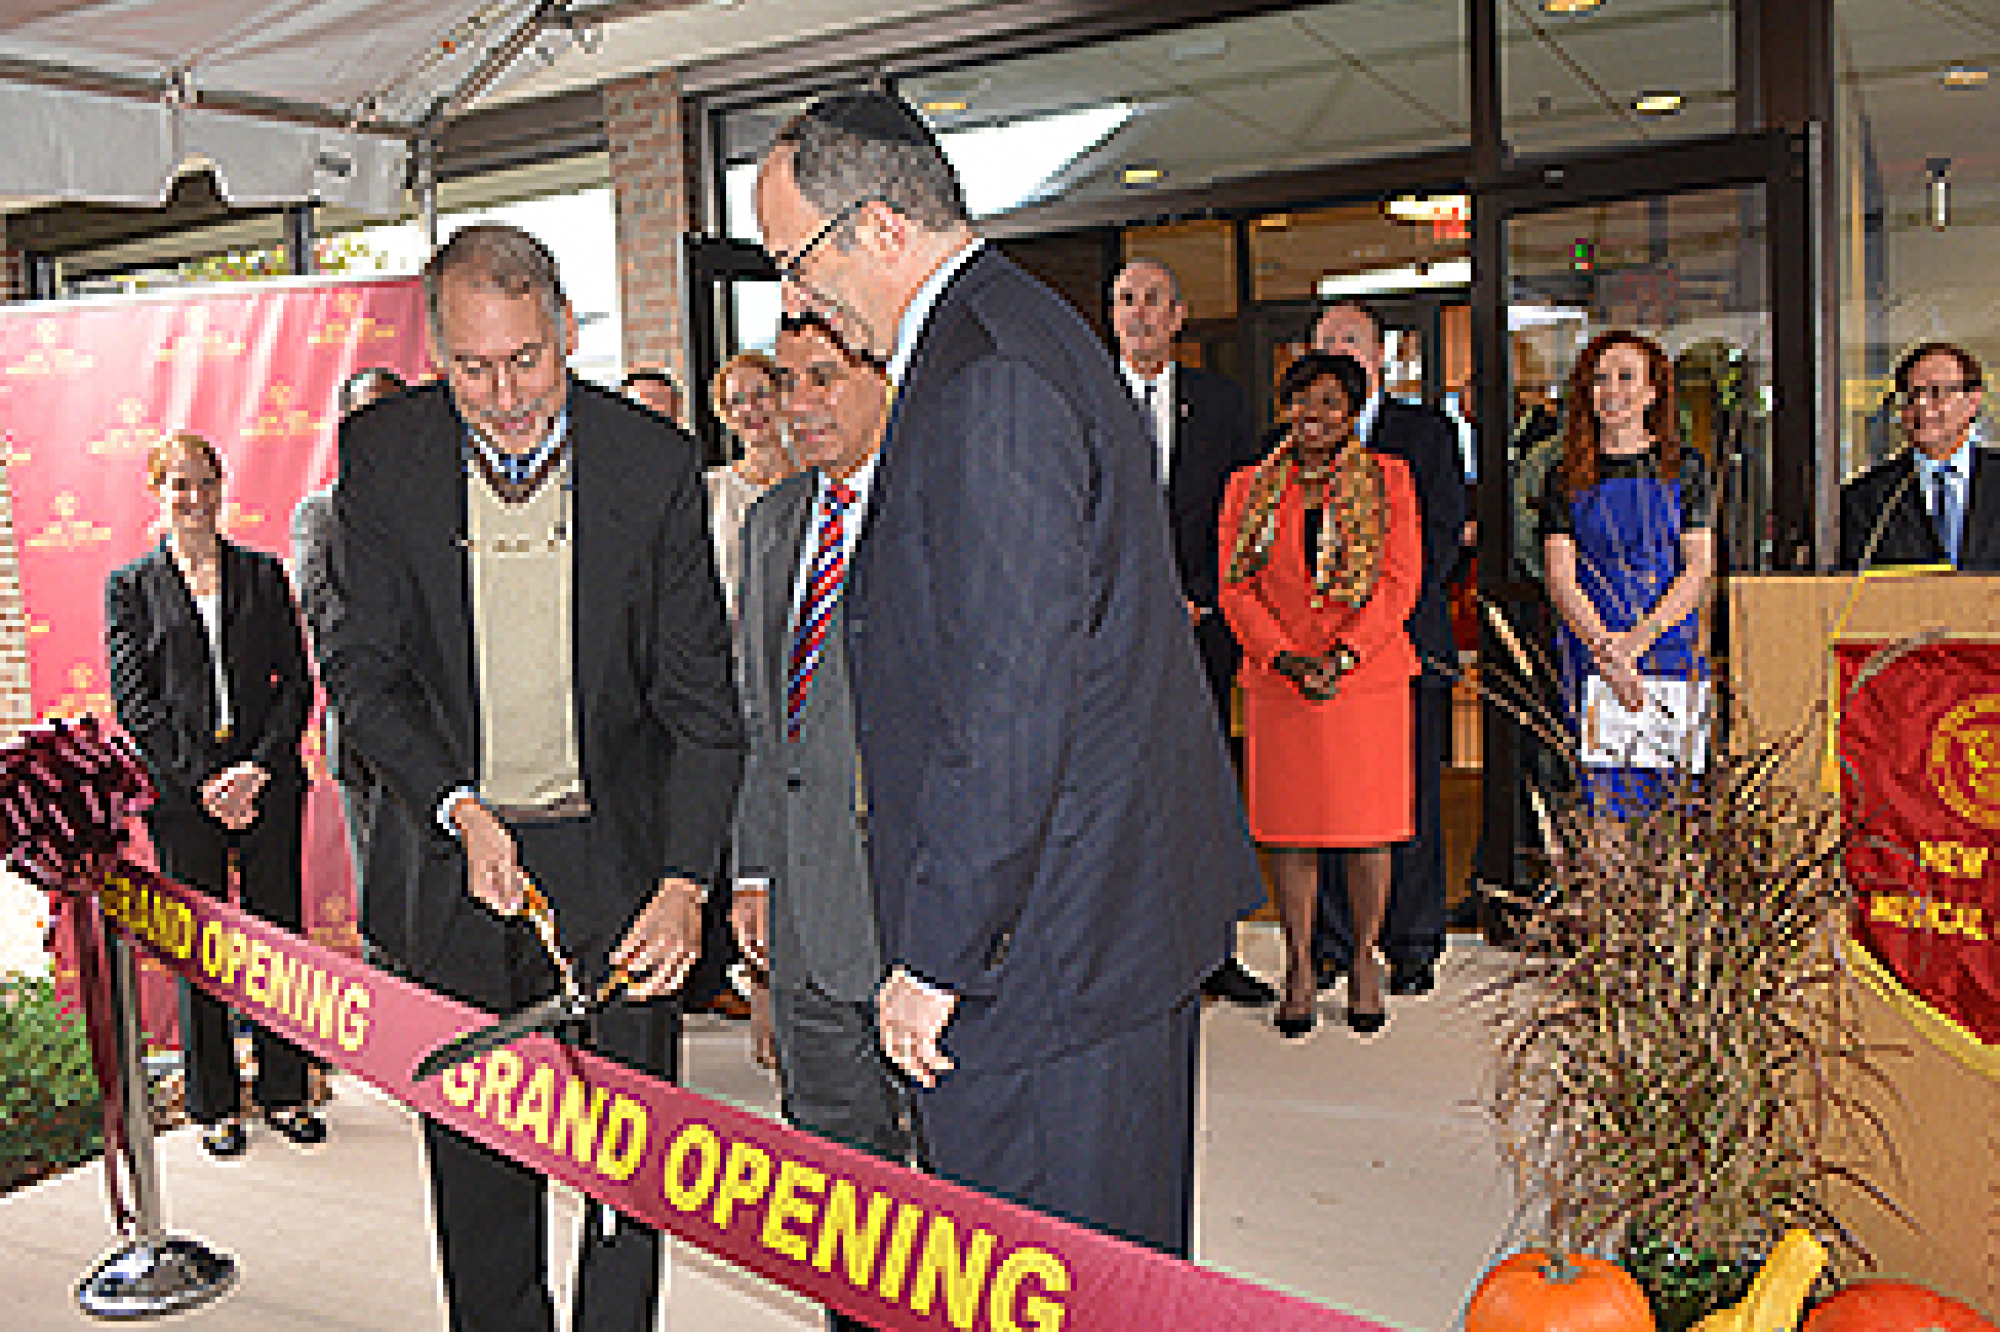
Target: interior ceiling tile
1388, 29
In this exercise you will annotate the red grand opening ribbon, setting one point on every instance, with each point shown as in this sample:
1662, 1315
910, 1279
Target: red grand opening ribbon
900, 1249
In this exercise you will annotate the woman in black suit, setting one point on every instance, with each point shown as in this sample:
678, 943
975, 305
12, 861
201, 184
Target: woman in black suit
208, 672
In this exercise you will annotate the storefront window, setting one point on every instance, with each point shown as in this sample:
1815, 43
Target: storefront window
1919, 190
1601, 73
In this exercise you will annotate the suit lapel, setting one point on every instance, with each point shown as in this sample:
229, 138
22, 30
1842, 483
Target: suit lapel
1925, 544
780, 573
1982, 499
606, 534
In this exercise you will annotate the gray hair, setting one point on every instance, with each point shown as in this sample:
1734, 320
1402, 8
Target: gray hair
1165, 270
499, 258
853, 148
364, 386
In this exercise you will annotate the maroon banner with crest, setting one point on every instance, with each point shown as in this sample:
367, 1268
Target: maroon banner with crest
87, 387
1920, 744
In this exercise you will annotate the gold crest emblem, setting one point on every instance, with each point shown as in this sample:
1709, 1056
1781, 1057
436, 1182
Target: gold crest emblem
132, 437
280, 418
1964, 760
66, 531
51, 358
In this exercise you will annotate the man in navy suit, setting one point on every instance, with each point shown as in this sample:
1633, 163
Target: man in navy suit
1200, 428
1938, 501
1058, 855
1423, 437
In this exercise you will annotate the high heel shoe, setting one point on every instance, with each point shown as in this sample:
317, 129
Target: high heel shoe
1367, 1024
1294, 1025
1362, 1021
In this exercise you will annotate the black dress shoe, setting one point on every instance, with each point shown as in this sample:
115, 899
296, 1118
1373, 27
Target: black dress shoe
226, 1141
1412, 978
1232, 982
1367, 1024
1291, 1026
299, 1126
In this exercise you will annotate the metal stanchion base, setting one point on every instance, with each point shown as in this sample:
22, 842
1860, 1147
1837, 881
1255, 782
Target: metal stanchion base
150, 1278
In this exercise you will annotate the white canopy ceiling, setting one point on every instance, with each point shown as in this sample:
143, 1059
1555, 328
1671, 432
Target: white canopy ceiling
108, 101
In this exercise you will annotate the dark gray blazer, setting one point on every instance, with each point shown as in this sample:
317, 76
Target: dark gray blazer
1054, 830
796, 818
1892, 494
659, 737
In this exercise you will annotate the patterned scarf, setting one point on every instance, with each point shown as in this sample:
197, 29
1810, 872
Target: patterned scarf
1354, 524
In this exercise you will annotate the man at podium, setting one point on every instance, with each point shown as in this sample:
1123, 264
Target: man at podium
1938, 501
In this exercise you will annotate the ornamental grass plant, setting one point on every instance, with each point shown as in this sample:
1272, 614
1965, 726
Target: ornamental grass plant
1674, 1066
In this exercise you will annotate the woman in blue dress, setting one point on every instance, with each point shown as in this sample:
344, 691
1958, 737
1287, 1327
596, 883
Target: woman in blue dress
1628, 540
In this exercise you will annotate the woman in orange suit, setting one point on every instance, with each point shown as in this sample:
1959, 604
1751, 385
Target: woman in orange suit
1322, 558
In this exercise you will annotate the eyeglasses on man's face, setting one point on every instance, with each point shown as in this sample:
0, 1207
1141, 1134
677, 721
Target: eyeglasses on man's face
790, 267
1917, 394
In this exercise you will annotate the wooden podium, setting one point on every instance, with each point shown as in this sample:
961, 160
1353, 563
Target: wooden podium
1943, 1117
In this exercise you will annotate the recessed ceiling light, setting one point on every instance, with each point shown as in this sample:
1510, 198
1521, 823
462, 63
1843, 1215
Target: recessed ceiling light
945, 106
1659, 103
1430, 208
1144, 175
1569, 6
1965, 76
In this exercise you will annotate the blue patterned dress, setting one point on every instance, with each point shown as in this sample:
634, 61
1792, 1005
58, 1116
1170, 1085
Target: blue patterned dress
1627, 529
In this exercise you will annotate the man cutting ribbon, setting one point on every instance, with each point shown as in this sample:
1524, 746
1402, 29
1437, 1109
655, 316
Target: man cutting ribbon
535, 659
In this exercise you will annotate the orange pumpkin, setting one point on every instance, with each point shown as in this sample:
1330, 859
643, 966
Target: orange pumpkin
1894, 1306
1532, 1292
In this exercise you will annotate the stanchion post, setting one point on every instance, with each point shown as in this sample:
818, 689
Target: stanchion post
149, 1273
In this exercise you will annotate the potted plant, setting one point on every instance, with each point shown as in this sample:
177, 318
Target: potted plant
1671, 1043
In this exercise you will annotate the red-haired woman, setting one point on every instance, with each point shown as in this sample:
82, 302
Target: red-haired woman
208, 675
1628, 539
1322, 558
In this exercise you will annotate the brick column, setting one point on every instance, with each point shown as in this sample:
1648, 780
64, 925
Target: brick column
14, 709
654, 188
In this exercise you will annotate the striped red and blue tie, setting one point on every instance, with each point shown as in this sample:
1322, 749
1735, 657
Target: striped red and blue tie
829, 568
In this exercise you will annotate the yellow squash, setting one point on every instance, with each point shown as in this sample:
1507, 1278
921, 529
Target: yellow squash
1778, 1295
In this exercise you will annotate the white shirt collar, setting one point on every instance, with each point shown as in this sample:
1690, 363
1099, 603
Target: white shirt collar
1959, 464
1364, 424
919, 312
1163, 383
859, 483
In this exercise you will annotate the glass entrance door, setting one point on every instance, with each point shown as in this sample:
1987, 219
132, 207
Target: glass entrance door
1685, 270
1691, 269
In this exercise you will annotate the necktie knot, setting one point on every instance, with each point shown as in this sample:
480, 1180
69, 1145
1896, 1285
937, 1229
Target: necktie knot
839, 495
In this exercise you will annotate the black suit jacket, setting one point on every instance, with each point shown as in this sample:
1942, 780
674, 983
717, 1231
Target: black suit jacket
1212, 438
1424, 438
660, 742
162, 677
1908, 535
1054, 830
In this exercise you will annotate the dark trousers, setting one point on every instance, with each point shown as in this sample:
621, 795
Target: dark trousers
491, 1214
1103, 1136
835, 1081
1413, 933
194, 849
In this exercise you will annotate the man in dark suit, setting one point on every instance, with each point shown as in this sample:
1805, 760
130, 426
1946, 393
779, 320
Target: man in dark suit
803, 902
533, 656
1058, 858
1938, 501
313, 534
1414, 934
1200, 428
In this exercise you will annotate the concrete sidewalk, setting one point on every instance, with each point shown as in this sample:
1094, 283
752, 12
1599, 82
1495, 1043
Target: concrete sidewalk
1357, 1174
